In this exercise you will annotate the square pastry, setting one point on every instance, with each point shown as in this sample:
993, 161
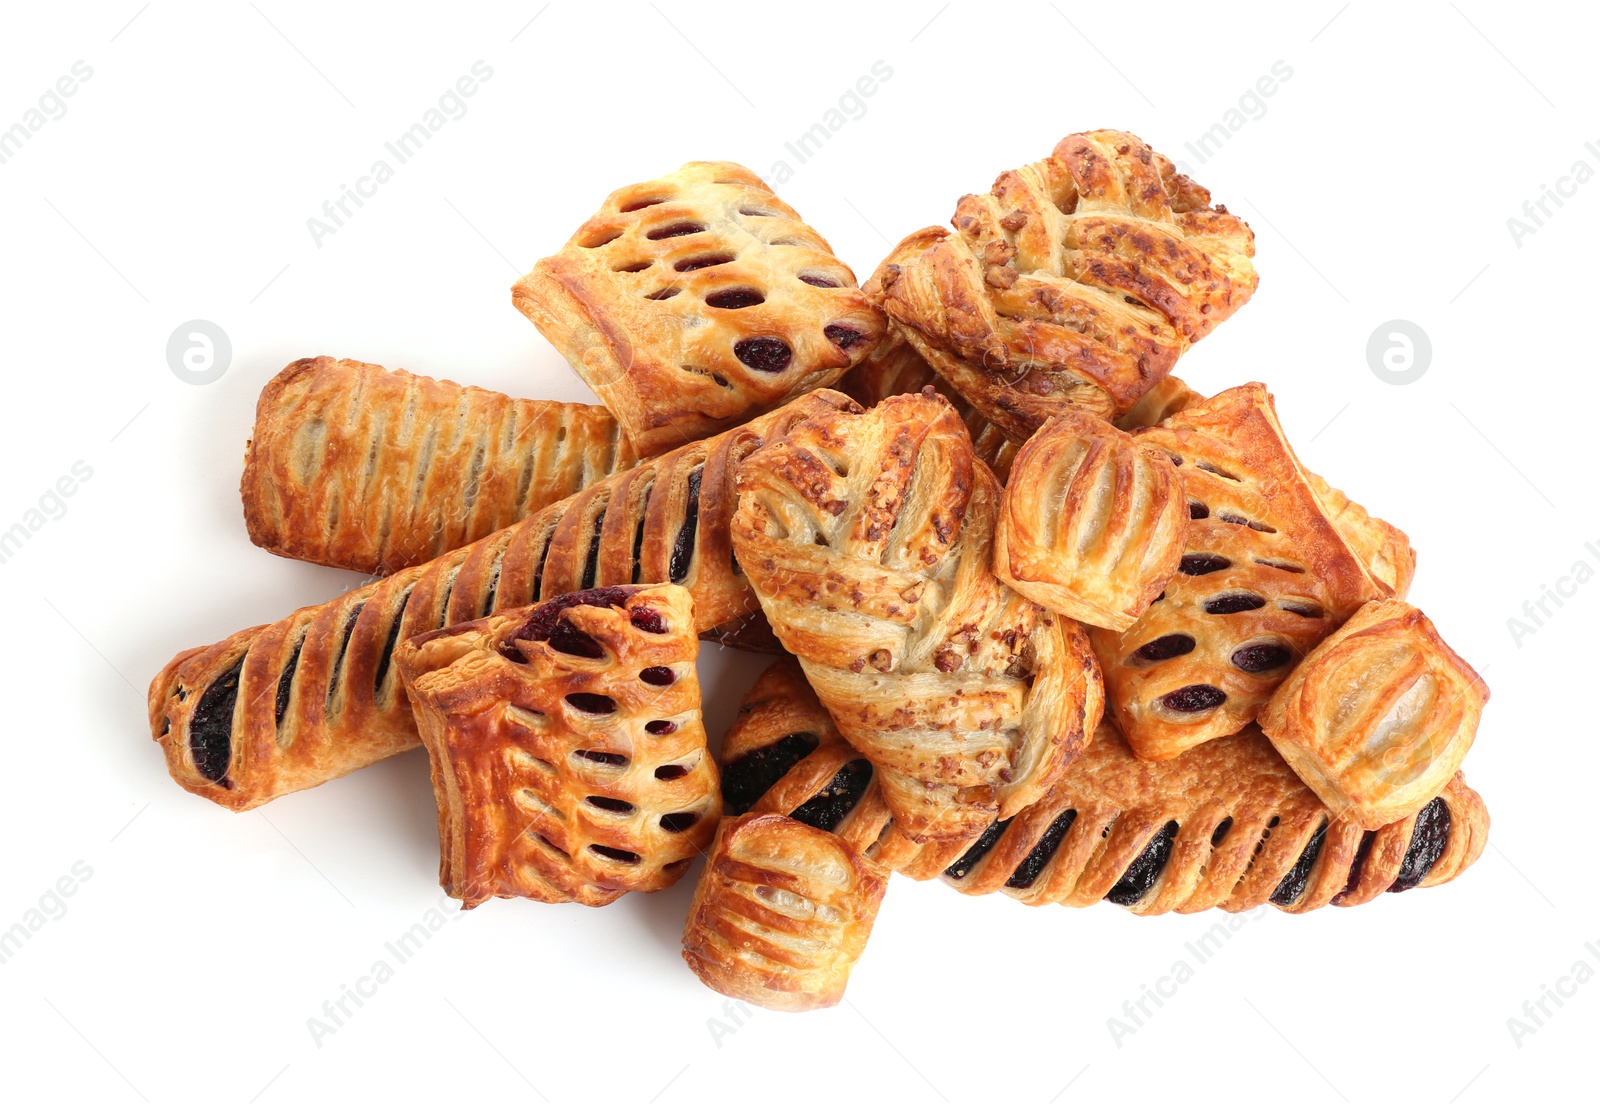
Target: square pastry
569, 759
694, 302
1378, 717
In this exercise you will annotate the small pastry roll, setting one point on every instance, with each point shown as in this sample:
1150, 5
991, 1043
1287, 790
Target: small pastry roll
1092, 523
781, 913
569, 759
1378, 716
359, 467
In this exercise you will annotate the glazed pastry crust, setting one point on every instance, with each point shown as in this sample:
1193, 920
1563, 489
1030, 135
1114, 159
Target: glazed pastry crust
868, 537
317, 695
1076, 281
1262, 538
1378, 716
1236, 790
1383, 547
363, 468
1092, 523
781, 913
543, 792
630, 301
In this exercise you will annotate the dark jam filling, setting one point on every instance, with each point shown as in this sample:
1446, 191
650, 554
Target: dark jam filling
600, 757
658, 727
1261, 657
286, 684
389, 643
842, 336
683, 545
1193, 698
961, 866
1198, 565
591, 563
659, 675
1165, 647
827, 809
543, 622
1038, 857
1429, 837
679, 821
675, 230
1294, 881
211, 728
568, 639
649, 620
592, 703
705, 261
747, 777
819, 282
1221, 832
1198, 510
1145, 870
607, 803
1232, 603
731, 299
621, 855
1359, 864
765, 355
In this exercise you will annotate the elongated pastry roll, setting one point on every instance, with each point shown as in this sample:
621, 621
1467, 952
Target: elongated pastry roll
287, 706
868, 537
364, 468
569, 759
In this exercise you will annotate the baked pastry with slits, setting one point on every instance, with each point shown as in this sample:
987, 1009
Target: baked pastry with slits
359, 467
1076, 281
1092, 523
569, 760
1378, 716
868, 537
1227, 824
781, 913
275, 709
1264, 577
694, 302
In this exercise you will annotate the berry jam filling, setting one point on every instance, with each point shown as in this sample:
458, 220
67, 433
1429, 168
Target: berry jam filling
679, 821
606, 803
819, 282
659, 727
671, 772
600, 757
976, 852
568, 639
1038, 857
1358, 865
658, 675
1198, 510
1294, 881
1261, 657
1221, 832
827, 809
543, 621
649, 620
613, 854
675, 230
1231, 603
591, 562
704, 261
1193, 698
842, 336
1199, 564
748, 777
1145, 870
765, 355
211, 728
1429, 837
592, 703
389, 644
1302, 608
286, 683
1166, 647
732, 299
683, 544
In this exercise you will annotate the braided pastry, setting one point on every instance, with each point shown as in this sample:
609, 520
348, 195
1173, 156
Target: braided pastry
1378, 716
279, 708
1078, 280
1227, 825
358, 467
1264, 577
694, 302
569, 760
868, 537
1092, 523
781, 913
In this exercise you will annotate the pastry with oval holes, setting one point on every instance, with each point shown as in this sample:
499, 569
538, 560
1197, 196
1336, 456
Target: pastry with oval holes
694, 302
278, 708
1379, 715
1227, 824
781, 913
1092, 523
569, 760
1078, 280
375, 470
1265, 575
868, 537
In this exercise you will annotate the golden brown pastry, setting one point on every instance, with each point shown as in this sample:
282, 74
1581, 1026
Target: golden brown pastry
1076, 281
569, 760
1379, 716
363, 468
1264, 577
275, 709
694, 302
1165, 399
868, 537
1227, 824
781, 913
1383, 547
1092, 523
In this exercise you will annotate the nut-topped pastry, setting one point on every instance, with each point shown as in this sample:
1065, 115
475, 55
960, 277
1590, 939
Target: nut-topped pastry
693, 302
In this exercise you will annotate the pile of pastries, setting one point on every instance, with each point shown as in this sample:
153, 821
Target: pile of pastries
1049, 623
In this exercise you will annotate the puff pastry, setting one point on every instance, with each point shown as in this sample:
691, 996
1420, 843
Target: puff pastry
359, 467
781, 913
1227, 824
569, 759
694, 302
1378, 716
868, 537
1078, 280
1264, 577
1092, 523
279, 708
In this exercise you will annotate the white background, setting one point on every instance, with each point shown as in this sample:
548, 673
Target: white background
177, 186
